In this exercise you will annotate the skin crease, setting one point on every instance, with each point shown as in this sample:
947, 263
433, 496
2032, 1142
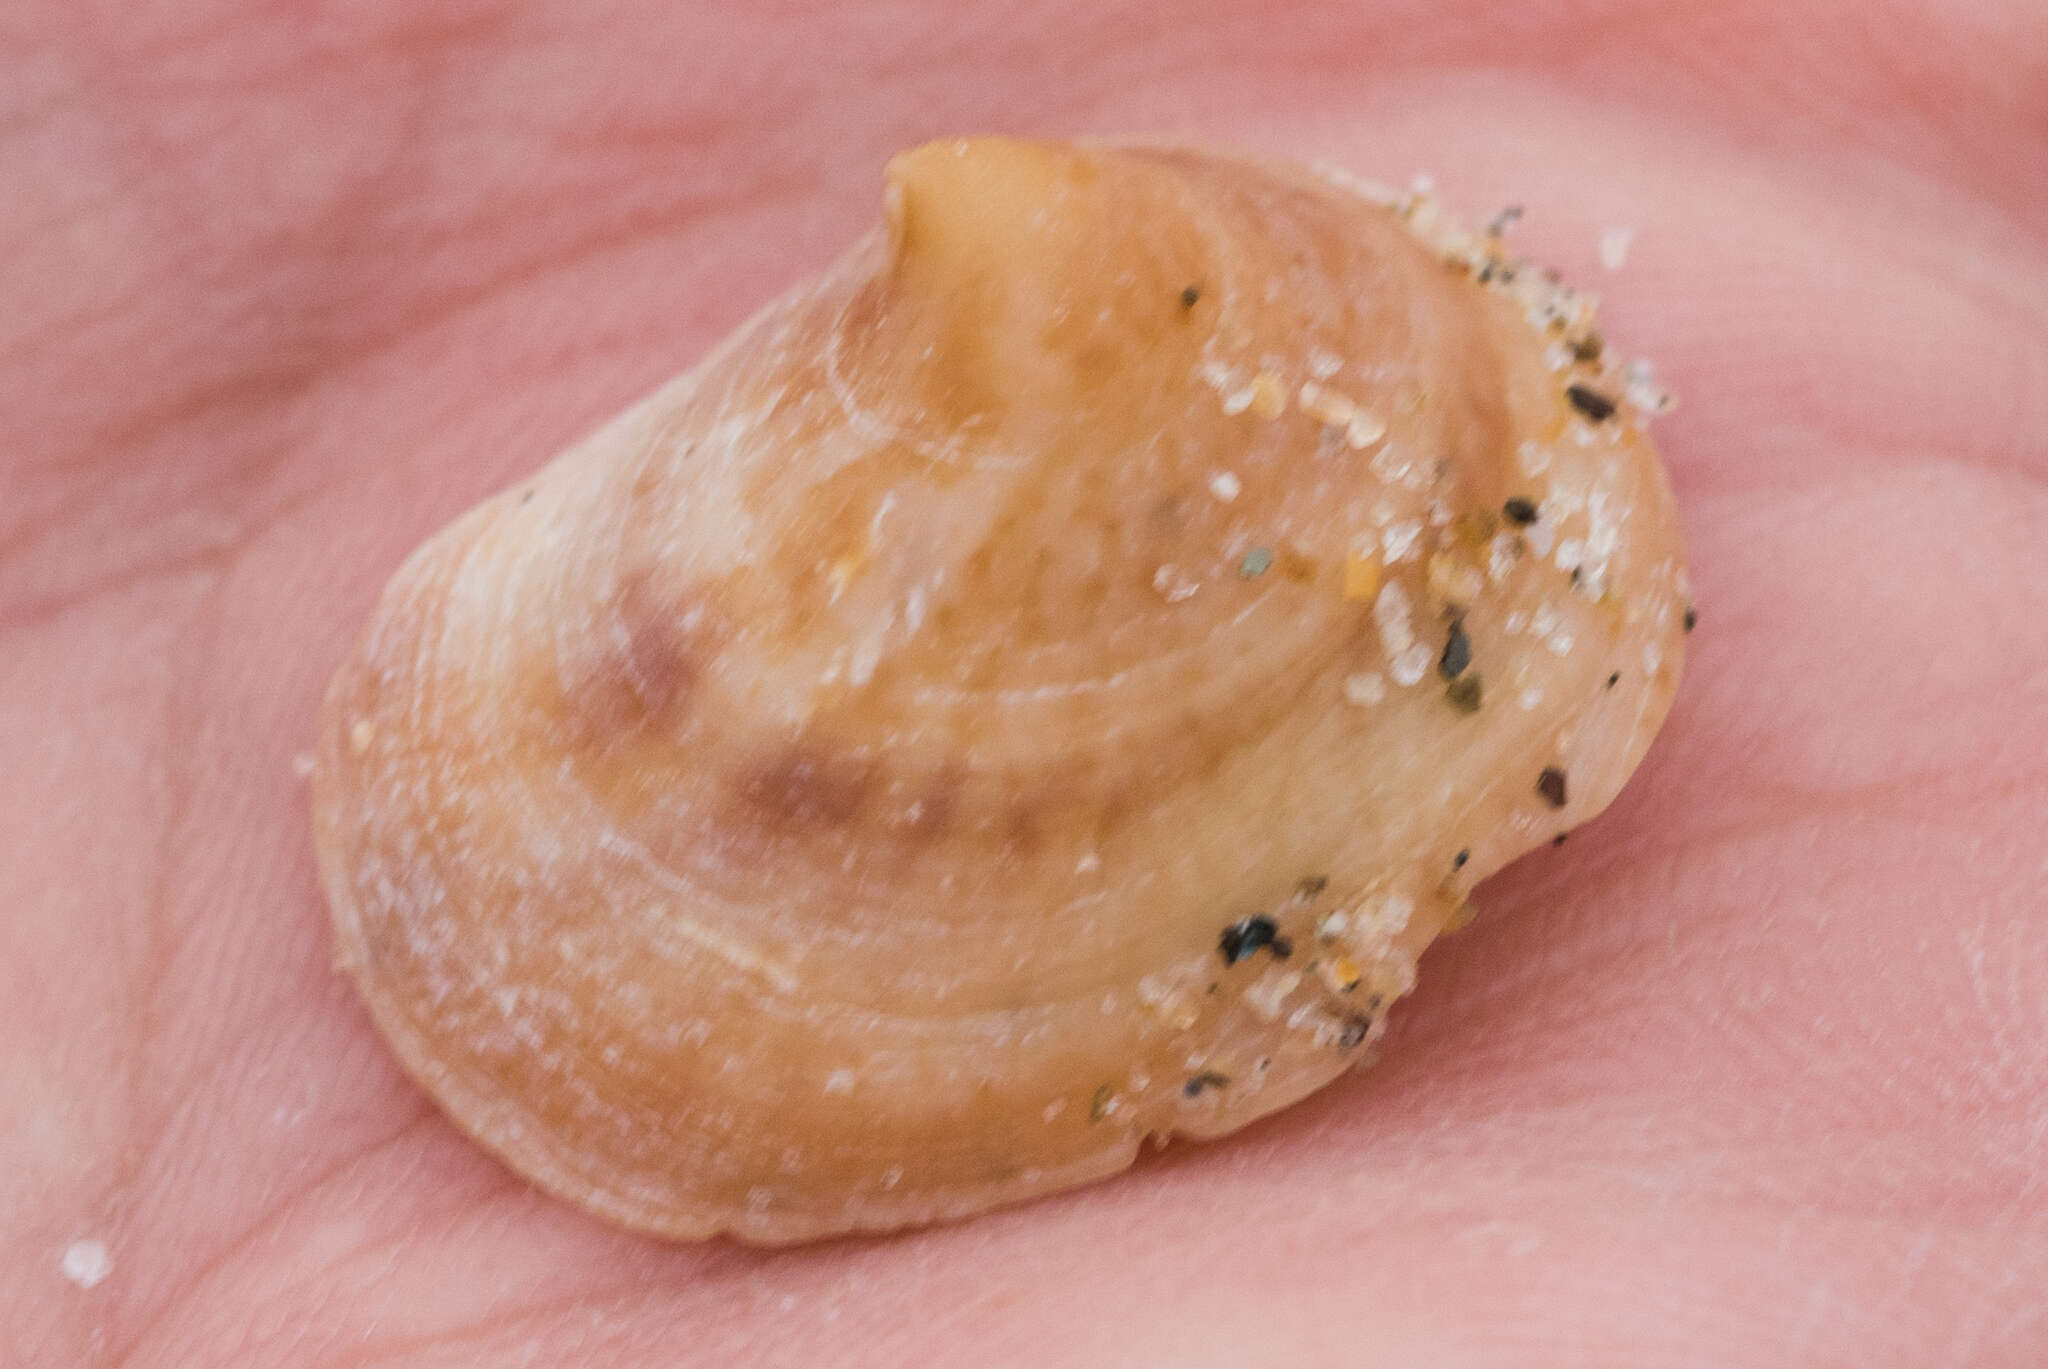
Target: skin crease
1749, 1073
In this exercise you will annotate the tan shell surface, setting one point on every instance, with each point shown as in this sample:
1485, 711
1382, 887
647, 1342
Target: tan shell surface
823, 799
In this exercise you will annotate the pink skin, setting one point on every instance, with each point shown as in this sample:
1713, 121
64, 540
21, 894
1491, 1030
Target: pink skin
1754, 1072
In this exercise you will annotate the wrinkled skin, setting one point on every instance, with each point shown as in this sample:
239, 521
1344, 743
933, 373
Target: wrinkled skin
1754, 1071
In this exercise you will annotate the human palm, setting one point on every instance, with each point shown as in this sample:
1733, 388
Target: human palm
1754, 1071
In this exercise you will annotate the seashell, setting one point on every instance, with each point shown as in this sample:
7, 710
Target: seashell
1038, 687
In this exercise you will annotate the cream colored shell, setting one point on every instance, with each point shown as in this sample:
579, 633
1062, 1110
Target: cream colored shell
999, 707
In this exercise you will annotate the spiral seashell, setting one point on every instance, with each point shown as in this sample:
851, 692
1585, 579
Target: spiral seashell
1038, 687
